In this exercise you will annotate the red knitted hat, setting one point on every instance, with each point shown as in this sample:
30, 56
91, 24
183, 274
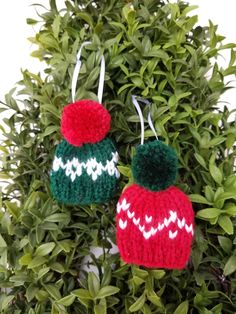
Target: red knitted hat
155, 219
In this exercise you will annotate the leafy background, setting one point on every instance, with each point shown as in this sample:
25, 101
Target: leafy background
153, 49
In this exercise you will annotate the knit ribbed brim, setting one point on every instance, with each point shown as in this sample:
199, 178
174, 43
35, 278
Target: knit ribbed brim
84, 175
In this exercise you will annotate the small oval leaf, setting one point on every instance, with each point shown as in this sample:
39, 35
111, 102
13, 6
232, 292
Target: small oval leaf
215, 173
93, 284
208, 213
182, 308
138, 304
230, 266
226, 224
107, 291
67, 301
45, 249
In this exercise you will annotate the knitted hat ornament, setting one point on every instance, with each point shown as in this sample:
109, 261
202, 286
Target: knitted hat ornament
84, 166
155, 220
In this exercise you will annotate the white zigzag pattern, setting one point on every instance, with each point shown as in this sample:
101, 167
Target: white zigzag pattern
92, 167
173, 218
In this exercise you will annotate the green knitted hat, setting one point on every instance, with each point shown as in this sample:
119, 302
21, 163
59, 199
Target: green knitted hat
86, 174
84, 167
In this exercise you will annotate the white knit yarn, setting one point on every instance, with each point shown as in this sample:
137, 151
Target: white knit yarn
173, 218
73, 168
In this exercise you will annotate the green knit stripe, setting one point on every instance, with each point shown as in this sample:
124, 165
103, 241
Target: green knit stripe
83, 191
101, 151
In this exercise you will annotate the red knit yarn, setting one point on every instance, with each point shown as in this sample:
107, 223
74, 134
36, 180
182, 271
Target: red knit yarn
85, 121
155, 229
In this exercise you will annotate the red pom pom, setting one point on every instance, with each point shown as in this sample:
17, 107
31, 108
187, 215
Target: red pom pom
85, 121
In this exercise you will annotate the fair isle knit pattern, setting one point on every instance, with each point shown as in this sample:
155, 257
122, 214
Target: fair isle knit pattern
148, 228
155, 229
74, 168
86, 174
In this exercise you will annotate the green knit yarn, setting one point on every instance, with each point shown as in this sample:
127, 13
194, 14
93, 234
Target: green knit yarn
155, 166
75, 176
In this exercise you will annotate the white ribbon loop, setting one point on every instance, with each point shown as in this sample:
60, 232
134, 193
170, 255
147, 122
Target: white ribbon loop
151, 124
137, 106
77, 71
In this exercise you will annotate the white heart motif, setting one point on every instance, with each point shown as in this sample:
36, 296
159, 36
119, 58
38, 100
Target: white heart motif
173, 219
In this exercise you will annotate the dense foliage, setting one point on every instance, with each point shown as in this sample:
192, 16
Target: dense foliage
156, 50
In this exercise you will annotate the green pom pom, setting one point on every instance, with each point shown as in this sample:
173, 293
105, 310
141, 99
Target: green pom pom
155, 166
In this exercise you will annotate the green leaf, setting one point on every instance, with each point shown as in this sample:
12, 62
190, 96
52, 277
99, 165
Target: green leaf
56, 25
158, 273
137, 280
86, 17
230, 182
6, 301
100, 308
57, 217
225, 243
2, 242
188, 9
93, 284
31, 292
215, 173
138, 304
229, 71
157, 52
126, 171
45, 249
48, 40
182, 308
57, 267
183, 95
52, 109
154, 298
50, 129
209, 193
66, 245
159, 99
41, 296
140, 272
37, 261
201, 160
226, 224
172, 101
230, 266
82, 293
230, 140
30, 21
214, 142
225, 196
13, 209
128, 13
43, 271
25, 259
217, 309
196, 198
107, 291
53, 291
118, 25
67, 301
146, 309
208, 213
231, 210
124, 87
